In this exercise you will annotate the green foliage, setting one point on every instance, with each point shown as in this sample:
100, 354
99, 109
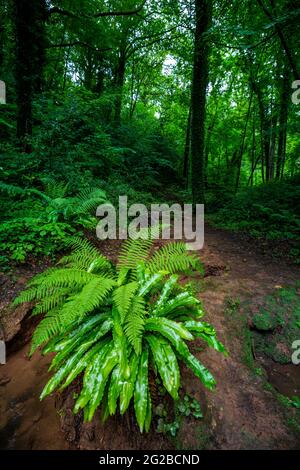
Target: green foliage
115, 324
30, 236
295, 402
276, 325
42, 222
185, 407
270, 211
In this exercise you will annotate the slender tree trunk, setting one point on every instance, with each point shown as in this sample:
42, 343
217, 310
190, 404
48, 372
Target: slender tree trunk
88, 72
199, 86
187, 148
30, 45
253, 152
242, 146
264, 127
253, 169
2, 36
119, 85
207, 143
283, 118
273, 128
66, 57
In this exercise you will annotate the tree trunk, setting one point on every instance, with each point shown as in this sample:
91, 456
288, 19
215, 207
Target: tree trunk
242, 146
119, 84
253, 151
88, 71
264, 127
30, 45
283, 118
199, 86
187, 148
2, 37
273, 128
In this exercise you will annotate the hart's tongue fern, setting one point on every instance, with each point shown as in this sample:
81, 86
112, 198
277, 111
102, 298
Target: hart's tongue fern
115, 323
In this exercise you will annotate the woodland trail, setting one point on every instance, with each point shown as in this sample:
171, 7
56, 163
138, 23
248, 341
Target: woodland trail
243, 414
240, 414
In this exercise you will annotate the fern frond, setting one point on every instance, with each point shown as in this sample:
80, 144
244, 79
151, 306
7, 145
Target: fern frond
89, 193
54, 282
46, 329
91, 297
165, 293
55, 189
62, 277
86, 256
55, 299
133, 252
151, 283
89, 200
136, 251
11, 189
123, 296
173, 258
134, 323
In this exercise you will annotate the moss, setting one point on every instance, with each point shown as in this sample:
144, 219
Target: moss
291, 414
265, 320
277, 324
203, 436
239, 329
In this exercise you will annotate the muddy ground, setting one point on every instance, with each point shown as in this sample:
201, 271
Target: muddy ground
243, 413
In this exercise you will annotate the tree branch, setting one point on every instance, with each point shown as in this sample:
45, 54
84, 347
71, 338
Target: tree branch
78, 43
282, 39
61, 11
120, 13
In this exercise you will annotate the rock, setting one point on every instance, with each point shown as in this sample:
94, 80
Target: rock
11, 319
4, 381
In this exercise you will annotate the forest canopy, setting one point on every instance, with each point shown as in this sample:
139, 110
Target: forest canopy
166, 100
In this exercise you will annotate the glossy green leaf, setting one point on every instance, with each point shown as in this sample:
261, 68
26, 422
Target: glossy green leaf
167, 365
141, 390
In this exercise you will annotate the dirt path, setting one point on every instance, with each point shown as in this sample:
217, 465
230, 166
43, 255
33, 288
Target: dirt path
240, 414
244, 415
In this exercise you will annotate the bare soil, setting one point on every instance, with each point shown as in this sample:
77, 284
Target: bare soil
240, 414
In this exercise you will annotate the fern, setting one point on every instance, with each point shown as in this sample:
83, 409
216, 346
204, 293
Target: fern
89, 200
11, 189
136, 251
123, 296
87, 300
55, 189
86, 257
133, 252
64, 277
47, 328
172, 258
55, 299
134, 323
75, 308
112, 325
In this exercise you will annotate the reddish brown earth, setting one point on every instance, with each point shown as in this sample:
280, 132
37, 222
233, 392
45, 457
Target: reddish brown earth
240, 414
